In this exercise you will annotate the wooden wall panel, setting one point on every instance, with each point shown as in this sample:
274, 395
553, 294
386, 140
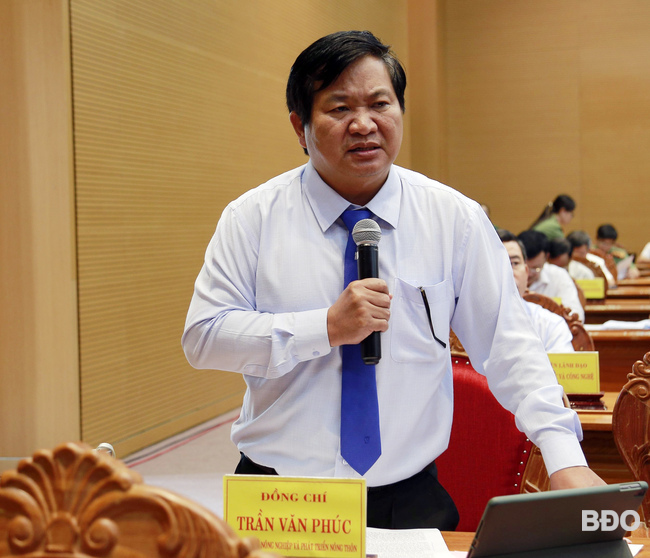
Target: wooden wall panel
547, 98
615, 117
513, 93
178, 109
426, 105
39, 400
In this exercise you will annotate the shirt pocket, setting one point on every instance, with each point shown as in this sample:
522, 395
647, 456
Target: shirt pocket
411, 336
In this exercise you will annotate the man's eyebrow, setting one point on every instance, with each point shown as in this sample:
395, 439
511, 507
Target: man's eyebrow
340, 97
336, 97
381, 91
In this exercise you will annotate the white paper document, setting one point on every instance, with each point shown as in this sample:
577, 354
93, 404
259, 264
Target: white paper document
617, 324
406, 543
623, 266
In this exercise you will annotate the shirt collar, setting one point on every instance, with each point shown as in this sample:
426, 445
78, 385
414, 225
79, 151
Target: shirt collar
328, 205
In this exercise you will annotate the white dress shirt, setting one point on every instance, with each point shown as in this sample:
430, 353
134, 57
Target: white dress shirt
275, 265
551, 328
578, 270
555, 281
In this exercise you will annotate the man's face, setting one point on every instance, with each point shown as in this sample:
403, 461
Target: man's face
605, 244
355, 131
519, 267
535, 267
580, 251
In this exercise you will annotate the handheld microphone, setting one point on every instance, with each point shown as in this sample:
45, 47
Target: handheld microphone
366, 235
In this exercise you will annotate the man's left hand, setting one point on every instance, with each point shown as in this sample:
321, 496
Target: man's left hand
575, 477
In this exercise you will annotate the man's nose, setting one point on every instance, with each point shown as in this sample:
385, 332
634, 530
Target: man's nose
362, 123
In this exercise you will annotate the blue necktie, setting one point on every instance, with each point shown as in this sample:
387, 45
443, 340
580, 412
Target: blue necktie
360, 440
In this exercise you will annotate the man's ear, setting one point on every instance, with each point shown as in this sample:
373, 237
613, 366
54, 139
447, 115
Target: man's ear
296, 122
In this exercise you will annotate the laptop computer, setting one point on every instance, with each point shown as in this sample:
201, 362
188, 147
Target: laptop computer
550, 524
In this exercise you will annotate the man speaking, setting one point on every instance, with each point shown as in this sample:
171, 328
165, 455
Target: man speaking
277, 301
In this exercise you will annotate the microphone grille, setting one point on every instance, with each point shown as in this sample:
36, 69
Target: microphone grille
366, 231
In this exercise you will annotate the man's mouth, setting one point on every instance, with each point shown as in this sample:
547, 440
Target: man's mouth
362, 149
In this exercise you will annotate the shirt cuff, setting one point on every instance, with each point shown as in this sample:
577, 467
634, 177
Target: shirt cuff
554, 428
311, 338
562, 451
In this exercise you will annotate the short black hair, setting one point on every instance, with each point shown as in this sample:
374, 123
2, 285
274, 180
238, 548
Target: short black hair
535, 242
559, 246
507, 236
321, 63
606, 232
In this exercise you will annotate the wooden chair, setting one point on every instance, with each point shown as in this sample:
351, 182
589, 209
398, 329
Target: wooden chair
631, 430
74, 501
487, 455
581, 339
610, 263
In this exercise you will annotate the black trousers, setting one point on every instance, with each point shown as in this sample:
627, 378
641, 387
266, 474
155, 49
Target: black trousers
416, 502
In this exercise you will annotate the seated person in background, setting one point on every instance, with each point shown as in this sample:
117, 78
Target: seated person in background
577, 269
606, 236
556, 215
551, 328
559, 252
546, 278
581, 243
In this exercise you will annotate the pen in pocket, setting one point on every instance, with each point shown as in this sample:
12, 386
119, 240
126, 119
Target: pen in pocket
426, 307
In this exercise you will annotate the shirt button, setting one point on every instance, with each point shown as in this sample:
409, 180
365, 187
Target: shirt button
316, 353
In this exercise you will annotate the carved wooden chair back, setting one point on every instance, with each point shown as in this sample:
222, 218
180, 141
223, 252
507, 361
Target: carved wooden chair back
631, 427
595, 268
74, 501
455, 346
610, 263
582, 341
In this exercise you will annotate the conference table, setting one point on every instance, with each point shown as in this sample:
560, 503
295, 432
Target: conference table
624, 309
461, 541
641, 292
618, 350
638, 282
597, 420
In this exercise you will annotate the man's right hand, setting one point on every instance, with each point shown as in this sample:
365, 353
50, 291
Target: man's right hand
363, 307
